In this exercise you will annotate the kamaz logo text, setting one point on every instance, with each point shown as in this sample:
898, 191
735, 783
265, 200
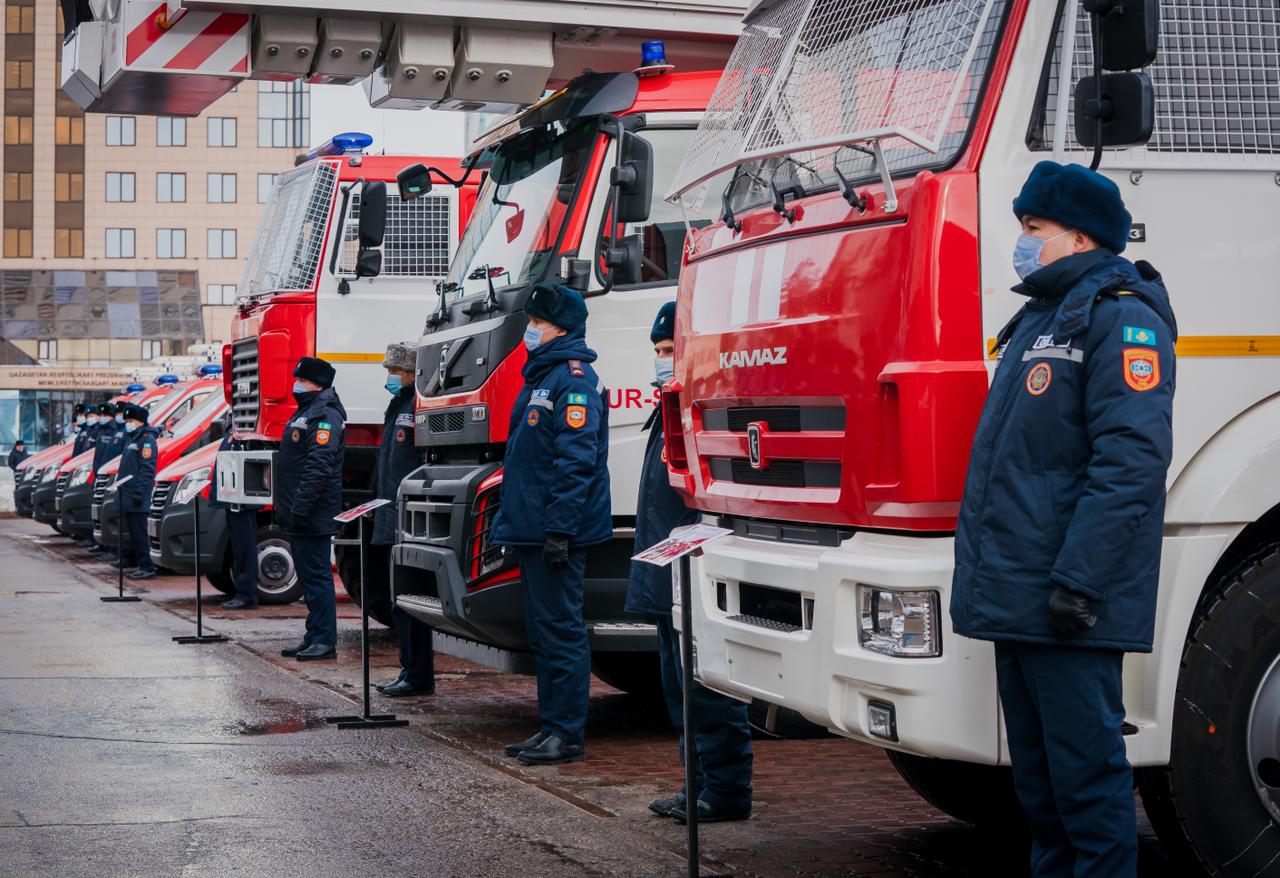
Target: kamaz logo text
756, 357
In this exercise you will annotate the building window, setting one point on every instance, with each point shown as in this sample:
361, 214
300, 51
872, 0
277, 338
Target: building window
19, 74
266, 182
47, 350
68, 243
221, 294
171, 187
222, 131
122, 131
222, 188
152, 348
171, 243
119, 243
68, 186
284, 114
222, 244
20, 20
17, 130
17, 186
171, 131
17, 242
120, 186
68, 130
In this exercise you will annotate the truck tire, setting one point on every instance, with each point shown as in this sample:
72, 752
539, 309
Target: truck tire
222, 581
277, 578
769, 721
635, 673
1217, 803
979, 794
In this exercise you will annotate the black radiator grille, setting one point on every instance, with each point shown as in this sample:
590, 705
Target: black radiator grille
778, 474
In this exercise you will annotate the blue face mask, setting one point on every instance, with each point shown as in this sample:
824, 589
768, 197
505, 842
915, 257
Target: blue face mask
532, 338
393, 384
299, 387
1026, 253
119, 419
130, 427
664, 368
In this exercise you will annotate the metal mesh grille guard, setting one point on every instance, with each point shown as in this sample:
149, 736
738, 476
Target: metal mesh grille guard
286, 251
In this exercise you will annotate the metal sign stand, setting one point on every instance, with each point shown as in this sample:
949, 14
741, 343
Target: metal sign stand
366, 720
120, 597
690, 730
200, 636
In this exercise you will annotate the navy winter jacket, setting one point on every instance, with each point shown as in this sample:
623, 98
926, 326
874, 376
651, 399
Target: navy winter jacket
84, 439
308, 491
1066, 483
111, 441
139, 461
659, 510
555, 477
397, 457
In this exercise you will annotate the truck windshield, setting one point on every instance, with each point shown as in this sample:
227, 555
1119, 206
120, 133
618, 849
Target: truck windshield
522, 207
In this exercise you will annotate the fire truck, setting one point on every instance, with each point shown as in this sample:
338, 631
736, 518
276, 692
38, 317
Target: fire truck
834, 347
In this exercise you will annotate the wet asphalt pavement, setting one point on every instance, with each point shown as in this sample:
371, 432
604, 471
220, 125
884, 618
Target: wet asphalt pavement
126, 754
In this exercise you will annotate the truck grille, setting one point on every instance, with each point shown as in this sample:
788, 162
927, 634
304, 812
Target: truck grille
446, 422
779, 418
244, 384
778, 474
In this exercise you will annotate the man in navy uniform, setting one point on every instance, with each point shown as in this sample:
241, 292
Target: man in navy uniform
78, 430
242, 533
106, 448
554, 504
1058, 543
133, 501
308, 495
397, 457
722, 755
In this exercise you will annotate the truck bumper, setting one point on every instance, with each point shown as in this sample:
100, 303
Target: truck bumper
43, 502
106, 524
172, 538
944, 707
73, 511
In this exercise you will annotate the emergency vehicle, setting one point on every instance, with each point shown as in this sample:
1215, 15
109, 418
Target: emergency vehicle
835, 339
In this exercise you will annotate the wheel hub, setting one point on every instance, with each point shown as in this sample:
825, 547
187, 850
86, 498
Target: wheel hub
275, 568
1264, 740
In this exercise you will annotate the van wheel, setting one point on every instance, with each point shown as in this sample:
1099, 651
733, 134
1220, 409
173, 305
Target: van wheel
771, 721
222, 581
979, 794
635, 673
1218, 800
277, 577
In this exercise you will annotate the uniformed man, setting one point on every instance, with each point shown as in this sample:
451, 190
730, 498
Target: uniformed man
308, 495
17, 454
722, 757
134, 498
242, 533
1058, 544
81, 443
107, 446
397, 457
554, 504
108, 552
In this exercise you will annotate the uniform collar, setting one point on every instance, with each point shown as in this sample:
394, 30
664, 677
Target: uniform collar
1056, 279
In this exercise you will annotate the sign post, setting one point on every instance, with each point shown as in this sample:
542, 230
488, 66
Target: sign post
682, 545
192, 495
366, 720
120, 597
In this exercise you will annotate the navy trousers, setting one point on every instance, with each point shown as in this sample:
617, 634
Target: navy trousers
1063, 712
558, 639
722, 740
242, 530
312, 556
413, 636
137, 523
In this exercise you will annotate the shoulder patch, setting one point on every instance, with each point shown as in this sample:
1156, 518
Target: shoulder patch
1139, 335
1141, 368
575, 368
322, 435
577, 399
147, 451
576, 416
324, 425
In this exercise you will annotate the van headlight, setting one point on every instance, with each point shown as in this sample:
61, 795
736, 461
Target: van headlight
80, 476
903, 624
192, 478
50, 474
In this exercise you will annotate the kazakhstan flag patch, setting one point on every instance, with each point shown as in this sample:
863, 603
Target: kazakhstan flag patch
1139, 335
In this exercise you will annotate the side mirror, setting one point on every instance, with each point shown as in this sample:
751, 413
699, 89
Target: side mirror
373, 214
1127, 110
624, 260
632, 179
413, 182
369, 263
1130, 31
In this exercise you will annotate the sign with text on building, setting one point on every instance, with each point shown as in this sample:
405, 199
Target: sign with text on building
60, 378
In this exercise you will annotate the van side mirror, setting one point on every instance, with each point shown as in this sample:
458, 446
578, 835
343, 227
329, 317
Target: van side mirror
1127, 110
632, 179
369, 263
414, 181
373, 214
1130, 32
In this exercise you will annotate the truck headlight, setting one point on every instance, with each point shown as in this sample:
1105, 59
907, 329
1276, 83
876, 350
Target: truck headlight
80, 476
899, 623
194, 477
50, 474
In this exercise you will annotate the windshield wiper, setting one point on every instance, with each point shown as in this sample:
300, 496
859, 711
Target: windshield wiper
487, 273
443, 289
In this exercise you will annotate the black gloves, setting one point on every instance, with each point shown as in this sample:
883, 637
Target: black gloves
1070, 612
555, 551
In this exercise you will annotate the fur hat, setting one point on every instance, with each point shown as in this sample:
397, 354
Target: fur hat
664, 325
315, 370
557, 304
136, 413
1077, 198
401, 355
107, 409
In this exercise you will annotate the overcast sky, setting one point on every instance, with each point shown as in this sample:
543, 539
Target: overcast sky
339, 108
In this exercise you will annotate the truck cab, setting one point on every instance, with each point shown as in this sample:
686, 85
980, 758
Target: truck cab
544, 213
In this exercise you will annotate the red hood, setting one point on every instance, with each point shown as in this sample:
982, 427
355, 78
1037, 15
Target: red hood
203, 456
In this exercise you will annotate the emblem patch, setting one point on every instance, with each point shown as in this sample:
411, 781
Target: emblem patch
322, 435
400, 435
323, 425
576, 416
1039, 379
575, 368
404, 419
1141, 368
577, 399
541, 393
532, 418
146, 452
295, 436
1139, 335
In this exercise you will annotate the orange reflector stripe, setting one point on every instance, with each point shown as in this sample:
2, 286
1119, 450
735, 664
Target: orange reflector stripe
1215, 346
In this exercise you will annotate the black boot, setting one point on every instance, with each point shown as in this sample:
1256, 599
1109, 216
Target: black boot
664, 807
317, 652
708, 813
527, 744
294, 650
552, 751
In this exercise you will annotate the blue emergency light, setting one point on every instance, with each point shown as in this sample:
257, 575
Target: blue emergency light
209, 369
341, 144
135, 388
162, 380
653, 53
